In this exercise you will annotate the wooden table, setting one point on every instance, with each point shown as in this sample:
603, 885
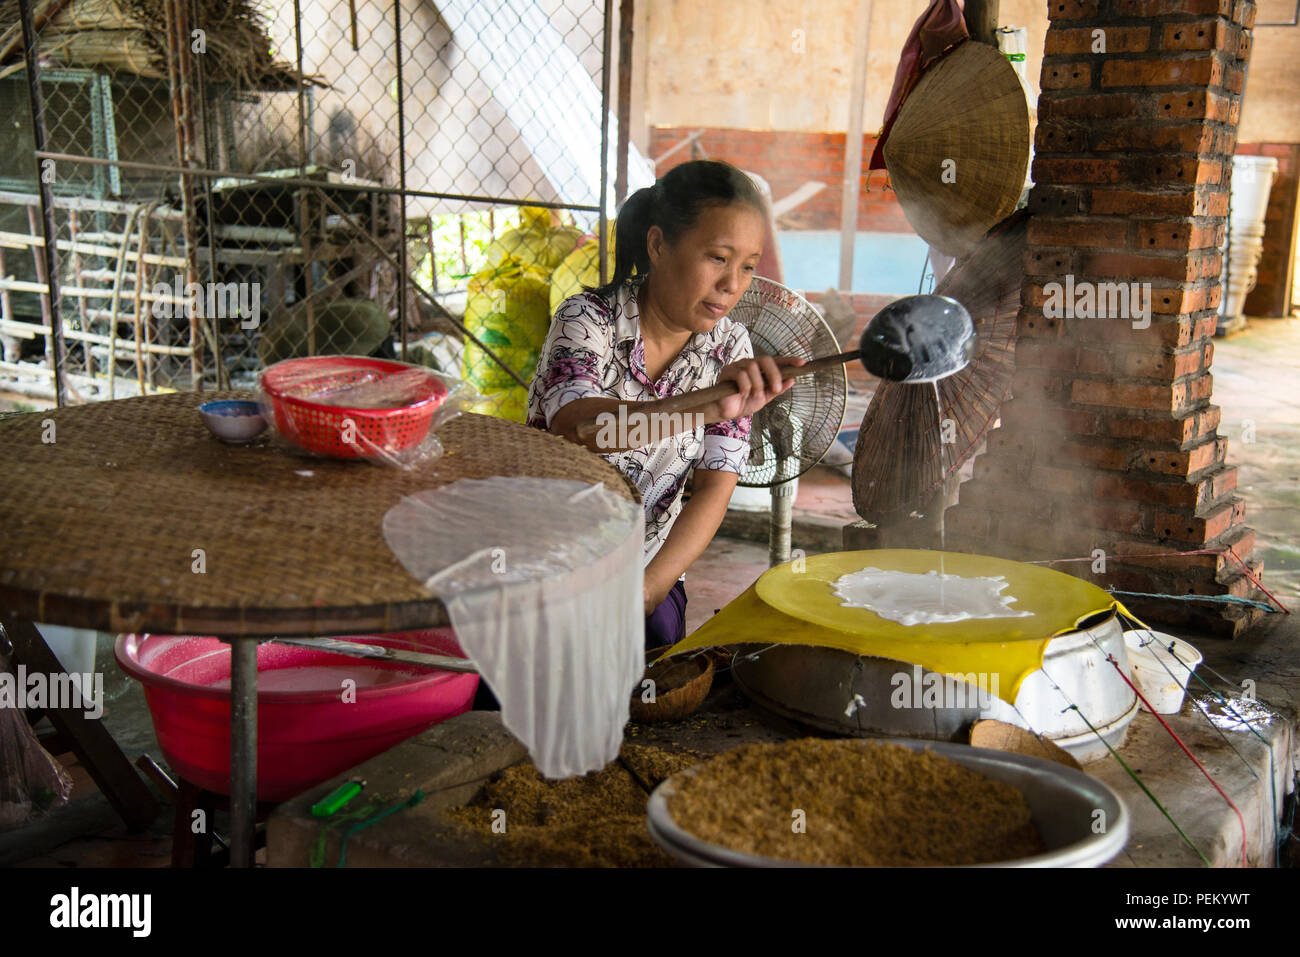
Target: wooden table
128, 516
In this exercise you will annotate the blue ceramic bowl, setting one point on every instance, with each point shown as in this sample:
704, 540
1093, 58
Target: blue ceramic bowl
233, 420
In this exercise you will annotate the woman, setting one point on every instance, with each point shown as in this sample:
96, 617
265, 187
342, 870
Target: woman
685, 252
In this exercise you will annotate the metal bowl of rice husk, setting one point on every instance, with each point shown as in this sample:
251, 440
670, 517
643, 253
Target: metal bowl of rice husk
1065, 807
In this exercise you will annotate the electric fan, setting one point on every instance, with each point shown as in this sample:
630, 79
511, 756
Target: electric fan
790, 434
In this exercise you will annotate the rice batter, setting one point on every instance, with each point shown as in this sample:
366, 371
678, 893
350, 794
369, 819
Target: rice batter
912, 599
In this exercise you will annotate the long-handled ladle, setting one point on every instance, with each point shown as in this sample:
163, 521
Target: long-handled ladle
913, 339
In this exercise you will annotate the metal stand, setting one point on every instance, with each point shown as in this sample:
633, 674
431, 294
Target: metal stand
778, 550
243, 750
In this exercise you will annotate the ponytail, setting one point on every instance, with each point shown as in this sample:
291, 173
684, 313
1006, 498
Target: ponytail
631, 255
673, 204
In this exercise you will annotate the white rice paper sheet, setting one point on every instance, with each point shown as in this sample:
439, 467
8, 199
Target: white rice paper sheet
542, 579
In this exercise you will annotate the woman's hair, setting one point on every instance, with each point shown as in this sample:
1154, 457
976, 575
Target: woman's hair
674, 204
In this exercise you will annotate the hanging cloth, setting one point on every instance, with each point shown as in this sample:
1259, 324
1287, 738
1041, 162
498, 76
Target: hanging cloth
940, 28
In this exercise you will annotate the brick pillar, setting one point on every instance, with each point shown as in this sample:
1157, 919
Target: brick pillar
1111, 442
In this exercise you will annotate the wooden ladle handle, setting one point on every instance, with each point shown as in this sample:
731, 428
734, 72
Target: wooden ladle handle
699, 397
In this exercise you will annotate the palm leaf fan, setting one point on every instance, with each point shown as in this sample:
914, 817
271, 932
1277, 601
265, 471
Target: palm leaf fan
910, 444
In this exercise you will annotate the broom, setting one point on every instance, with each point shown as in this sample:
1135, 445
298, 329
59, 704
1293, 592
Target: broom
909, 444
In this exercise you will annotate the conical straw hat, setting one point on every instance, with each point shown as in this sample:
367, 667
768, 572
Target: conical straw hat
958, 152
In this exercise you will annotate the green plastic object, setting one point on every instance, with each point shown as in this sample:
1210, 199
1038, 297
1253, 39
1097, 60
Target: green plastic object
337, 798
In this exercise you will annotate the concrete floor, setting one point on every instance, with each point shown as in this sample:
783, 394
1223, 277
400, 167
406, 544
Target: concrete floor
1255, 384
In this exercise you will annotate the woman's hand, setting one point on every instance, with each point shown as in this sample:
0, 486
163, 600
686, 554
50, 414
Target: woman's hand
760, 381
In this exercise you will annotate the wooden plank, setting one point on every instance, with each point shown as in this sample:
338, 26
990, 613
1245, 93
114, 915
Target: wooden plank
26, 241
982, 20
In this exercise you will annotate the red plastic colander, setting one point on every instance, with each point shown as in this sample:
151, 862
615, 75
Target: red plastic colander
295, 388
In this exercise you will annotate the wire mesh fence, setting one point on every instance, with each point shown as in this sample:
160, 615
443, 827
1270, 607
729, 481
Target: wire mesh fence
230, 184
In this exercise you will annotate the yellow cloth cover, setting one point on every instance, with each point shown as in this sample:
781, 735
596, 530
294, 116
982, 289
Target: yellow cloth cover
795, 604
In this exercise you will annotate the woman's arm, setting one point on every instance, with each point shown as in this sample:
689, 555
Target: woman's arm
760, 381
691, 533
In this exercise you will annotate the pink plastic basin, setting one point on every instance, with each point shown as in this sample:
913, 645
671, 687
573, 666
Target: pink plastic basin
306, 730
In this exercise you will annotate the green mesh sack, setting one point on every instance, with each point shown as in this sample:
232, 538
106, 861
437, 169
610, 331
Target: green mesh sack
509, 310
580, 270
536, 242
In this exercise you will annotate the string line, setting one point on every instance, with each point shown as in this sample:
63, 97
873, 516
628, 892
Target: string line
1164, 724
1131, 773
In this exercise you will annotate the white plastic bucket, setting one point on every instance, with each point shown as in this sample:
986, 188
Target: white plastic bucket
1252, 178
1160, 675
74, 647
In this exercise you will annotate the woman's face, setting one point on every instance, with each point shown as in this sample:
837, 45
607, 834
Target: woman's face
696, 280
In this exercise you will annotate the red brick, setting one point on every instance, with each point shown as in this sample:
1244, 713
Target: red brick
1059, 137
1093, 455
1167, 170
1223, 482
1066, 75
1185, 462
995, 496
1196, 104
1127, 395
1142, 553
1244, 41
1166, 138
1060, 481
1048, 261
1178, 235
1130, 202
1167, 333
1103, 233
1178, 300
1090, 106
1197, 35
1234, 79
1131, 266
1141, 364
1177, 431
1039, 354
1053, 200
1072, 10
1244, 13
966, 523
1196, 70
1079, 170
1046, 539
1199, 529
1119, 518
1040, 385
1200, 387
1127, 487
1158, 8
1212, 203
1081, 40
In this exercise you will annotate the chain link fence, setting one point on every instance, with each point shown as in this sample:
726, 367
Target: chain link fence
230, 184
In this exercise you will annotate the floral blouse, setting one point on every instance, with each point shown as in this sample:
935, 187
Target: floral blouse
594, 349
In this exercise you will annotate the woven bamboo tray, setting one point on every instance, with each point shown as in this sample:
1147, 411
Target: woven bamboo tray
102, 527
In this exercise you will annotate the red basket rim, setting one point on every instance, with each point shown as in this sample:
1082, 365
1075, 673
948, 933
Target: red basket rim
152, 680
436, 388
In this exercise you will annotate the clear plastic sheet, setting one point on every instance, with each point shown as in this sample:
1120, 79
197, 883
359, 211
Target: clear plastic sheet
31, 782
350, 407
542, 579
